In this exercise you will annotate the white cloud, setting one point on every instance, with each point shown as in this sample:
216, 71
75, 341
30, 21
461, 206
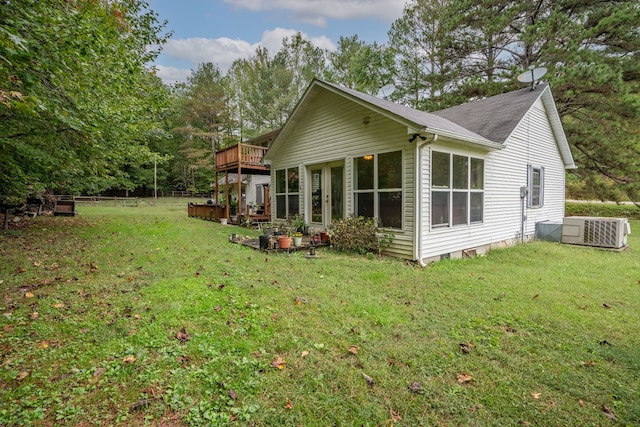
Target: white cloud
223, 51
272, 39
170, 75
317, 12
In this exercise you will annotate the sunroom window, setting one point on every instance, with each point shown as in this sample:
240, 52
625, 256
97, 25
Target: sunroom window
378, 188
287, 192
457, 189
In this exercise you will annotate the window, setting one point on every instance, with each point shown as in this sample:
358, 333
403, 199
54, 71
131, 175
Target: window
457, 189
378, 188
287, 192
535, 186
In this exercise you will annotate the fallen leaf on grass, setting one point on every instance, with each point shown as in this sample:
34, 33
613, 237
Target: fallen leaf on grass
36, 263
43, 344
129, 359
589, 363
536, 395
368, 379
605, 305
464, 378
305, 353
353, 349
22, 375
395, 416
98, 372
466, 347
278, 363
34, 315
608, 412
183, 336
58, 305
416, 388
28, 295
289, 405
183, 359
232, 394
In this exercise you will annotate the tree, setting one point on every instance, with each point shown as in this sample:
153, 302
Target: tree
357, 65
267, 88
589, 47
428, 65
77, 101
259, 86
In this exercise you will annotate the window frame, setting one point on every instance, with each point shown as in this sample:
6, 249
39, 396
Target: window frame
531, 186
376, 191
450, 195
288, 194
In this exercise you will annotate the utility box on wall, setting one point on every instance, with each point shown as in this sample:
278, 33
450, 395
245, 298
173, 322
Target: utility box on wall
594, 231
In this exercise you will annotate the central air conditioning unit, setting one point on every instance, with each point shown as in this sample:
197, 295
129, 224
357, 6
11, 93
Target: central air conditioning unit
593, 231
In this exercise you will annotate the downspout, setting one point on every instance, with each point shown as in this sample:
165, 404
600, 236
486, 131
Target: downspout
418, 191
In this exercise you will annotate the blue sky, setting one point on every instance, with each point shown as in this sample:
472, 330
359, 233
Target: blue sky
221, 31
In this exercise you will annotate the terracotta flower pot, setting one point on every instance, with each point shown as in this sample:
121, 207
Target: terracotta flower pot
284, 242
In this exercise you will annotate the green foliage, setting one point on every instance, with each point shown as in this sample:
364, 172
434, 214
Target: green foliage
359, 234
360, 66
602, 209
453, 51
78, 104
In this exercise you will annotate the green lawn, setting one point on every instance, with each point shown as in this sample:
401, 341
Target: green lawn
133, 316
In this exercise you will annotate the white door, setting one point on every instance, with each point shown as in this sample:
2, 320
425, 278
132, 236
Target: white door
326, 203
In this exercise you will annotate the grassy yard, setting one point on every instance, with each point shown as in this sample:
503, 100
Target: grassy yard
134, 316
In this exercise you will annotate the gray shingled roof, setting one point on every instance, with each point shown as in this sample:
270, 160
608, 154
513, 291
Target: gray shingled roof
496, 117
487, 122
420, 118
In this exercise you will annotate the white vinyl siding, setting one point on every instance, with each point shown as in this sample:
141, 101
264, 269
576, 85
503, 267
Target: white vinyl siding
531, 143
331, 129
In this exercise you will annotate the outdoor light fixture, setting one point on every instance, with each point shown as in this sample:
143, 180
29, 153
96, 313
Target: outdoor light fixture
416, 135
368, 157
366, 120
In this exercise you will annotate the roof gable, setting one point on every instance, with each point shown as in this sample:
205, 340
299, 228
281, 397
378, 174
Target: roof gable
487, 122
498, 116
495, 117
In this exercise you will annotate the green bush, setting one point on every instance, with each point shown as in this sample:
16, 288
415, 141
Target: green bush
602, 209
358, 234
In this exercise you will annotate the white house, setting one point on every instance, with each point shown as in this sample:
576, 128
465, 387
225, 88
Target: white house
454, 182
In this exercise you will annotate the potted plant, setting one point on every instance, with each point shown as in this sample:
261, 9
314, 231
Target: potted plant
297, 238
296, 223
284, 241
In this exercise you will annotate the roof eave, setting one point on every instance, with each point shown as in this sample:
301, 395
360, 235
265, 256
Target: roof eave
463, 139
558, 130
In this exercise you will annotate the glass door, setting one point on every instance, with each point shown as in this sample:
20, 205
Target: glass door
327, 193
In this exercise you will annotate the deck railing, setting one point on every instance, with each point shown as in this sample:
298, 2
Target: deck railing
240, 155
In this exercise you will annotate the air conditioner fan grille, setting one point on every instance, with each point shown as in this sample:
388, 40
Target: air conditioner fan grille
600, 232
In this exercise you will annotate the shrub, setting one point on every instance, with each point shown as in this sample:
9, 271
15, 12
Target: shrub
358, 234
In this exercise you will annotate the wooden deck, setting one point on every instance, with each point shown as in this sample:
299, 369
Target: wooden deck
246, 157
